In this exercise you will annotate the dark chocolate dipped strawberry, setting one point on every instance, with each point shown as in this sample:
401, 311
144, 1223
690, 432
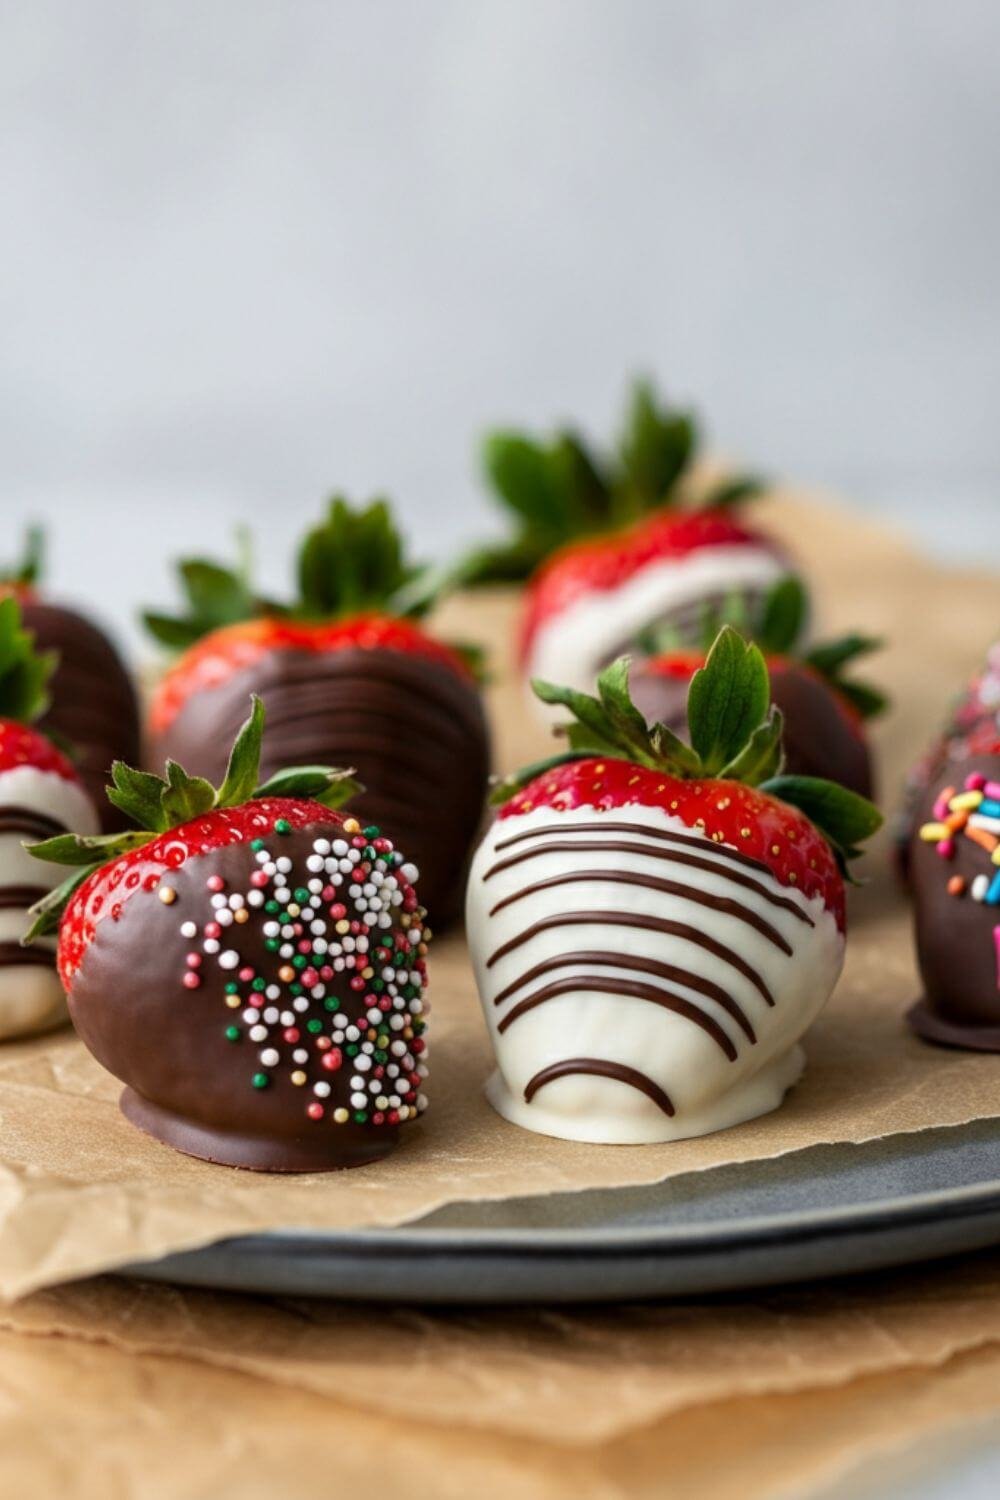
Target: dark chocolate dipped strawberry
654, 925
349, 675
92, 700
825, 711
612, 546
955, 877
249, 962
40, 794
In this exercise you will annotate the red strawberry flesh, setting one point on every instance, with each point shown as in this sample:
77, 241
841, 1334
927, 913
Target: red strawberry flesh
20, 745
606, 562
726, 812
103, 896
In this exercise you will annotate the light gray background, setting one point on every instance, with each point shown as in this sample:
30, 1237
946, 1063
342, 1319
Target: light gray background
255, 249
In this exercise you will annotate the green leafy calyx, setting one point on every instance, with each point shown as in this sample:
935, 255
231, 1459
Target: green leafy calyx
27, 571
24, 672
158, 803
777, 623
559, 489
734, 734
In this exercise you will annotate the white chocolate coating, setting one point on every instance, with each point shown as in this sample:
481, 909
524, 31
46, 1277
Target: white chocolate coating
705, 975
573, 646
31, 997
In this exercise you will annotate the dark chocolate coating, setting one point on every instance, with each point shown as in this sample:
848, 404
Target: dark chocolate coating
412, 728
94, 706
956, 948
187, 1084
820, 737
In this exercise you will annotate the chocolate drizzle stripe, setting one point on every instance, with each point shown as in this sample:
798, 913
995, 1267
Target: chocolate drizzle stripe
664, 835
693, 862
667, 887
26, 820
600, 1067
18, 897
630, 988
12, 954
671, 972
647, 924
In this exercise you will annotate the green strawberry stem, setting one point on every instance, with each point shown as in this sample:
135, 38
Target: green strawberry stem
24, 672
734, 731
777, 624
352, 562
27, 571
157, 804
559, 489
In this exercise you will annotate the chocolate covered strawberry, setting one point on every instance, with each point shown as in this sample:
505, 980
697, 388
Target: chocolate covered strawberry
249, 962
613, 546
825, 711
40, 794
349, 675
654, 925
92, 700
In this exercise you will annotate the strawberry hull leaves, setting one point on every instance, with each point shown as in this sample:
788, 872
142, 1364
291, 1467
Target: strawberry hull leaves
735, 735
27, 571
561, 490
24, 672
159, 804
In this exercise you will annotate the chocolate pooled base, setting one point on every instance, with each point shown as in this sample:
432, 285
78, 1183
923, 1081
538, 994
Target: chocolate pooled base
413, 729
819, 737
94, 706
189, 1057
957, 948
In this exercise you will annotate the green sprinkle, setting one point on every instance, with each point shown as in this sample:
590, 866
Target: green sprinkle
353, 1050
272, 907
282, 826
302, 895
372, 831
260, 1080
380, 1056
360, 1118
314, 1025
256, 845
331, 1003
299, 961
295, 989
232, 988
369, 853
378, 985
259, 984
272, 944
232, 1033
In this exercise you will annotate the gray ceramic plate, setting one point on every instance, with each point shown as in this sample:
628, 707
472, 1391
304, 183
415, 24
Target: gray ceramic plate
822, 1212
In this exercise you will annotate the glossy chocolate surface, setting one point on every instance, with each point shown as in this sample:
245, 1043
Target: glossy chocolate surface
414, 730
958, 946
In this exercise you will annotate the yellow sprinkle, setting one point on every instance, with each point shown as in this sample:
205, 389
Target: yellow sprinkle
351, 825
234, 1002
167, 895
293, 910
341, 1116
965, 800
368, 973
343, 926
286, 974
933, 833
995, 856
241, 915
298, 1078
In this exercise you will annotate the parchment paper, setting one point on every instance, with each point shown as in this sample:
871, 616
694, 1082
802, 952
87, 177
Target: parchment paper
81, 1191
139, 1390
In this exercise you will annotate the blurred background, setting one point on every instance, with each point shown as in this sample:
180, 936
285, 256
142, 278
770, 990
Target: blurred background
253, 250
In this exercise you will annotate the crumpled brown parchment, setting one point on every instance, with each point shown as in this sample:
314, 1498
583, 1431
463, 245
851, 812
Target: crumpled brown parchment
81, 1191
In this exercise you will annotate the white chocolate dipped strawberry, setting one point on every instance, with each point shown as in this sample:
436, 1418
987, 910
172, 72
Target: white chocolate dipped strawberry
40, 795
612, 547
654, 926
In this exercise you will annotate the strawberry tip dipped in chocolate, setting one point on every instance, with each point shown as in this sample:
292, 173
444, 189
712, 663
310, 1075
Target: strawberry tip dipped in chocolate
40, 794
825, 710
349, 675
655, 924
93, 706
612, 545
954, 865
249, 961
